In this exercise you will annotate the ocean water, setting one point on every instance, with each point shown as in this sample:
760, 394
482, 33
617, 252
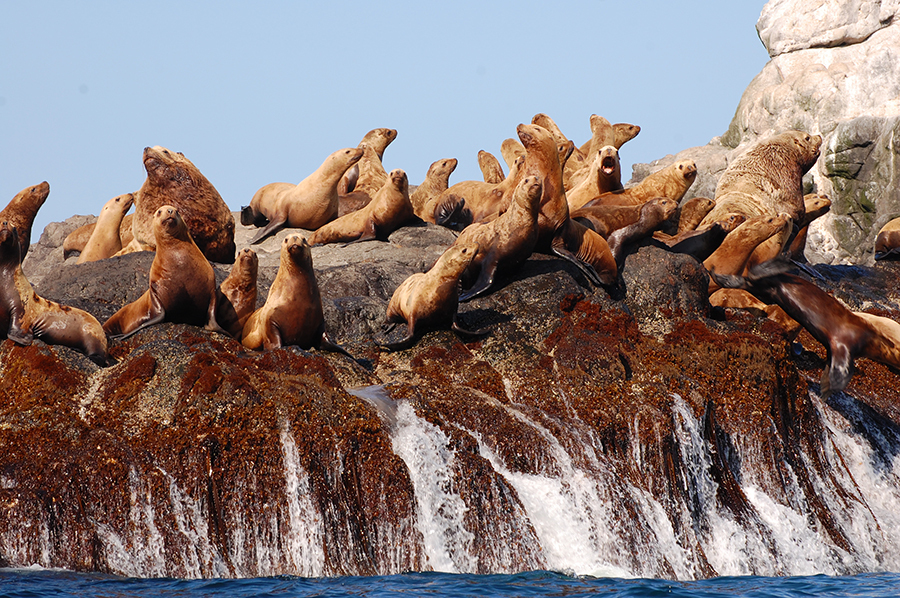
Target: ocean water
33, 583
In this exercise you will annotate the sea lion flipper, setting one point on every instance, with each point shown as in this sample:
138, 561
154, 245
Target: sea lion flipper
468, 333
484, 282
19, 336
270, 229
587, 269
836, 375
329, 345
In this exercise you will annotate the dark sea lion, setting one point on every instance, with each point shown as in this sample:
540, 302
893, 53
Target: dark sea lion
473, 201
21, 211
389, 209
25, 316
237, 294
429, 300
182, 283
292, 313
173, 180
653, 213
311, 203
844, 334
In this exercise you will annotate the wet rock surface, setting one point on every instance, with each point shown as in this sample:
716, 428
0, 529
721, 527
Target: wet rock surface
643, 417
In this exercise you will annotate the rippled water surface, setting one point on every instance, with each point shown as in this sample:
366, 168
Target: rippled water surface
21, 583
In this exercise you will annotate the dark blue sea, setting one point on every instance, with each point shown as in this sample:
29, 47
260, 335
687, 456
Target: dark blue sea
27, 583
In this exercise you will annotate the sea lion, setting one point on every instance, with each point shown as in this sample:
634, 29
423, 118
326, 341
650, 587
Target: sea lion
653, 214
771, 247
887, 242
309, 204
25, 316
437, 179
815, 205
604, 174
606, 219
731, 256
351, 202
369, 170
473, 201
504, 242
692, 212
844, 334
767, 178
389, 210
78, 238
292, 313
557, 232
21, 211
490, 168
105, 241
701, 242
182, 285
673, 181
173, 180
237, 294
622, 133
511, 149
576, 159
429, 300
741, 299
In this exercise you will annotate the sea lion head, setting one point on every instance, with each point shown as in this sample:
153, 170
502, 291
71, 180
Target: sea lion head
807, 147
248, 261
167, 222
533, 136
661, 208
687, 169
442, 168
608, 156
731, 221
399, 179
296, 249
457, 257
528, 194
37, 193
123, 202
163, 166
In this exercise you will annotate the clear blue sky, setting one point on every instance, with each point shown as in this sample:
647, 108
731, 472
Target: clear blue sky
260, 92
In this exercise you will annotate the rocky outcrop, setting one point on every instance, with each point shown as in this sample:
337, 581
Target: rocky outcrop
635, 435
835, 71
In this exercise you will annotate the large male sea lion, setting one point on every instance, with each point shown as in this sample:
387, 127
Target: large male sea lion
236, 298
182, 285
173, 180
105, 240
844, 334
21, 211
292, 313
25, 316
767, 178
309, 204
428, 300
389, 210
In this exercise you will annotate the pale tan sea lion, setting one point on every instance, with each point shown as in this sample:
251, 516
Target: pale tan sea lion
78, 238
429, 300
740, 299
25, 316
732, 255
389, 209
309, 204
437, 180
173, 180
603, 175
490, 167
673, 181
511, 149
237, 294
21, 211
767, 178
105, 241
292, 313
370, 168
692, 213
182, 283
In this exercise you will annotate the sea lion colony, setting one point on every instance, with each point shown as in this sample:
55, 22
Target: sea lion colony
557, 198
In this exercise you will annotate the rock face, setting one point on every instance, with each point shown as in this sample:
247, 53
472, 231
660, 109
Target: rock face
835, 71
641, 435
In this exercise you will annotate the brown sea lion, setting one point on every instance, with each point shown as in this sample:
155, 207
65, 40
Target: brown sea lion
389, 210
605, 219
351, 202
173, 180
741, 299
309, 204
292, 313
78, 238
473, 201
504, 242
511, 149
105, 241
771, 247
576, 159
701, 242
653, 213
369, 169
557, 232
844, 334
887, 242
437, 179
429, 300
182, 283
815, 205
603, 175
622, 133
767, 178
673, 181
490, 168
21, 211
692, 212
732, 255
237, 294
25, 316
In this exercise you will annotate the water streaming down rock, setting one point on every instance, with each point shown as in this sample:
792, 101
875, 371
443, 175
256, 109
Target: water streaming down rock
633, 436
